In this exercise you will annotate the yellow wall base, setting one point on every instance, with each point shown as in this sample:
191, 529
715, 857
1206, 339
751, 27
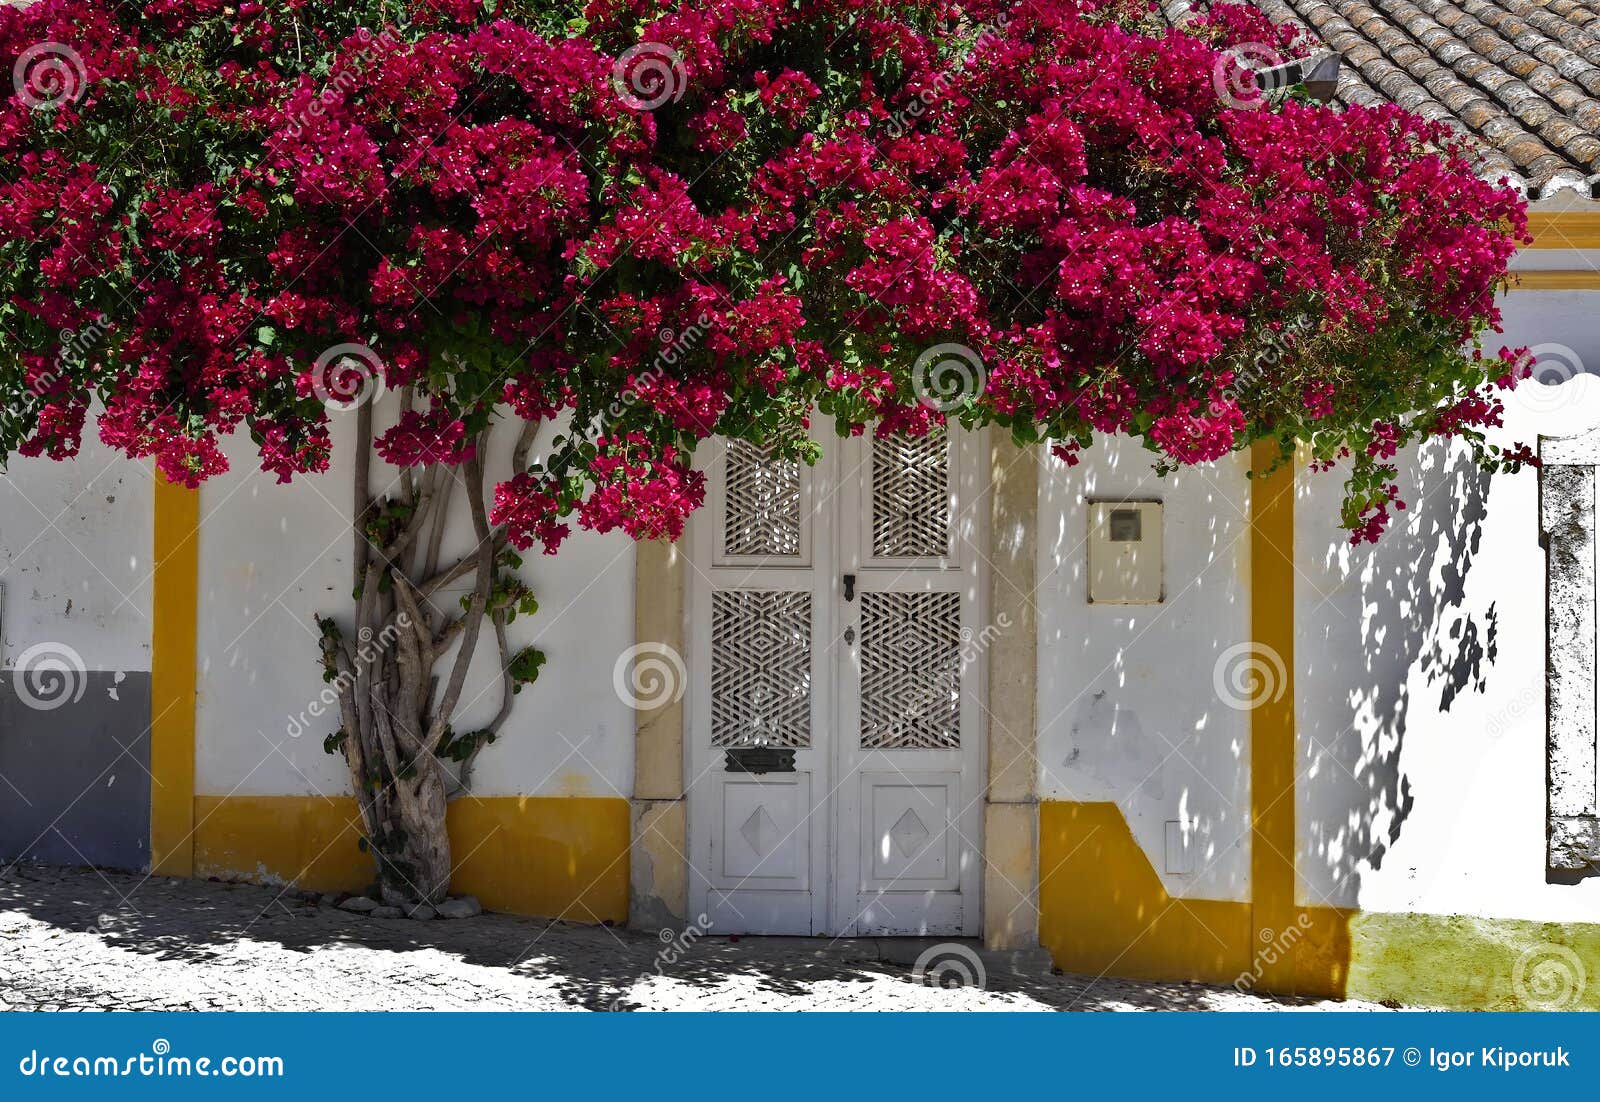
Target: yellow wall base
563, 857
1104, 911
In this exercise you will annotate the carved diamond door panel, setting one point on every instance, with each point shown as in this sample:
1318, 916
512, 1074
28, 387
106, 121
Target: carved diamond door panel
908, 846
764, 832
912, 852
760, 876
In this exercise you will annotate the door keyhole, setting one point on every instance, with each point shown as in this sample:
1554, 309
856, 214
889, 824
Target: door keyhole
849, 587
849, 636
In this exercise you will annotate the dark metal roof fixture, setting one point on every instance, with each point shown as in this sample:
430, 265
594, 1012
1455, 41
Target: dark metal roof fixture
1318, 72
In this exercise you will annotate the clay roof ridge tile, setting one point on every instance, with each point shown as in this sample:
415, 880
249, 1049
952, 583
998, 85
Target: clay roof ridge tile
1370, 78
1569, 34
1533, 42
1509, 93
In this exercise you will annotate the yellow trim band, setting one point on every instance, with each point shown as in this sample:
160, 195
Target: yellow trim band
1272, 719
174, 603
1555, 281
1103, 910
1565, 229
558, 857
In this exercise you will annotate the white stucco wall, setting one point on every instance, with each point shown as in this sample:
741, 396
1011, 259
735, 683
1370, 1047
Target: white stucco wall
272, 556
1127, 710
75, 545
1420, 671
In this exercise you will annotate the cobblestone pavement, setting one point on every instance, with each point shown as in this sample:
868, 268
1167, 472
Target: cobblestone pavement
80, 939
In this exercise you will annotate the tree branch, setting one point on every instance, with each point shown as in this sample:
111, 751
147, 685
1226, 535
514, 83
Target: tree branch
363, 491
410, 609
508, 688
420, 514
480, 600
524, 444
429, 559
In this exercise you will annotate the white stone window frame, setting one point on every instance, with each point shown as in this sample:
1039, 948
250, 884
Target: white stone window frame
1567, 500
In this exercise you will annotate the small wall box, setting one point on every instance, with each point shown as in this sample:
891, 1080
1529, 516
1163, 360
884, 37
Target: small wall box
1125, 553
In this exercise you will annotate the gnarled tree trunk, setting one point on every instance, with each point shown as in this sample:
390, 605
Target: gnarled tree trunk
397, 736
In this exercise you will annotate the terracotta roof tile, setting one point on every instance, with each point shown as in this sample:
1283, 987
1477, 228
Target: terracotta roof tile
1522, 77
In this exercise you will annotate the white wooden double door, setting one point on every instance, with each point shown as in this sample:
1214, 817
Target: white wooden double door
835, 619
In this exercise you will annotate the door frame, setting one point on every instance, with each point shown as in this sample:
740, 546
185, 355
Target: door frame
658, 864
826, 496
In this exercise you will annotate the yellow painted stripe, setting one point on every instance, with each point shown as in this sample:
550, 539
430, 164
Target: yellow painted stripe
176, 559
561, 857
1272, 719
558, 857
1103, 909
312, 842
1567, 229
1555, 281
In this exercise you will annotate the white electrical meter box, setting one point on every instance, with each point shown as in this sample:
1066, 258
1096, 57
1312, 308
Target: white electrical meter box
1125, 554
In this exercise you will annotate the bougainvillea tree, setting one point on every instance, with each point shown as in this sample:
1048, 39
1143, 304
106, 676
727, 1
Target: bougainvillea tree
634, 224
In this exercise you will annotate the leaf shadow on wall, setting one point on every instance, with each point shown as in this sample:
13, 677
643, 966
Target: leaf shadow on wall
1384, 629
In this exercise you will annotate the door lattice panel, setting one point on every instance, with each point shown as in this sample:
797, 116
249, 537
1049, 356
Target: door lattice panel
761, 668
762, 511
910, 671
911, 496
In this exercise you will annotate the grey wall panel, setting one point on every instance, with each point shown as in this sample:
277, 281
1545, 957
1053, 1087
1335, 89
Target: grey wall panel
74, 778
